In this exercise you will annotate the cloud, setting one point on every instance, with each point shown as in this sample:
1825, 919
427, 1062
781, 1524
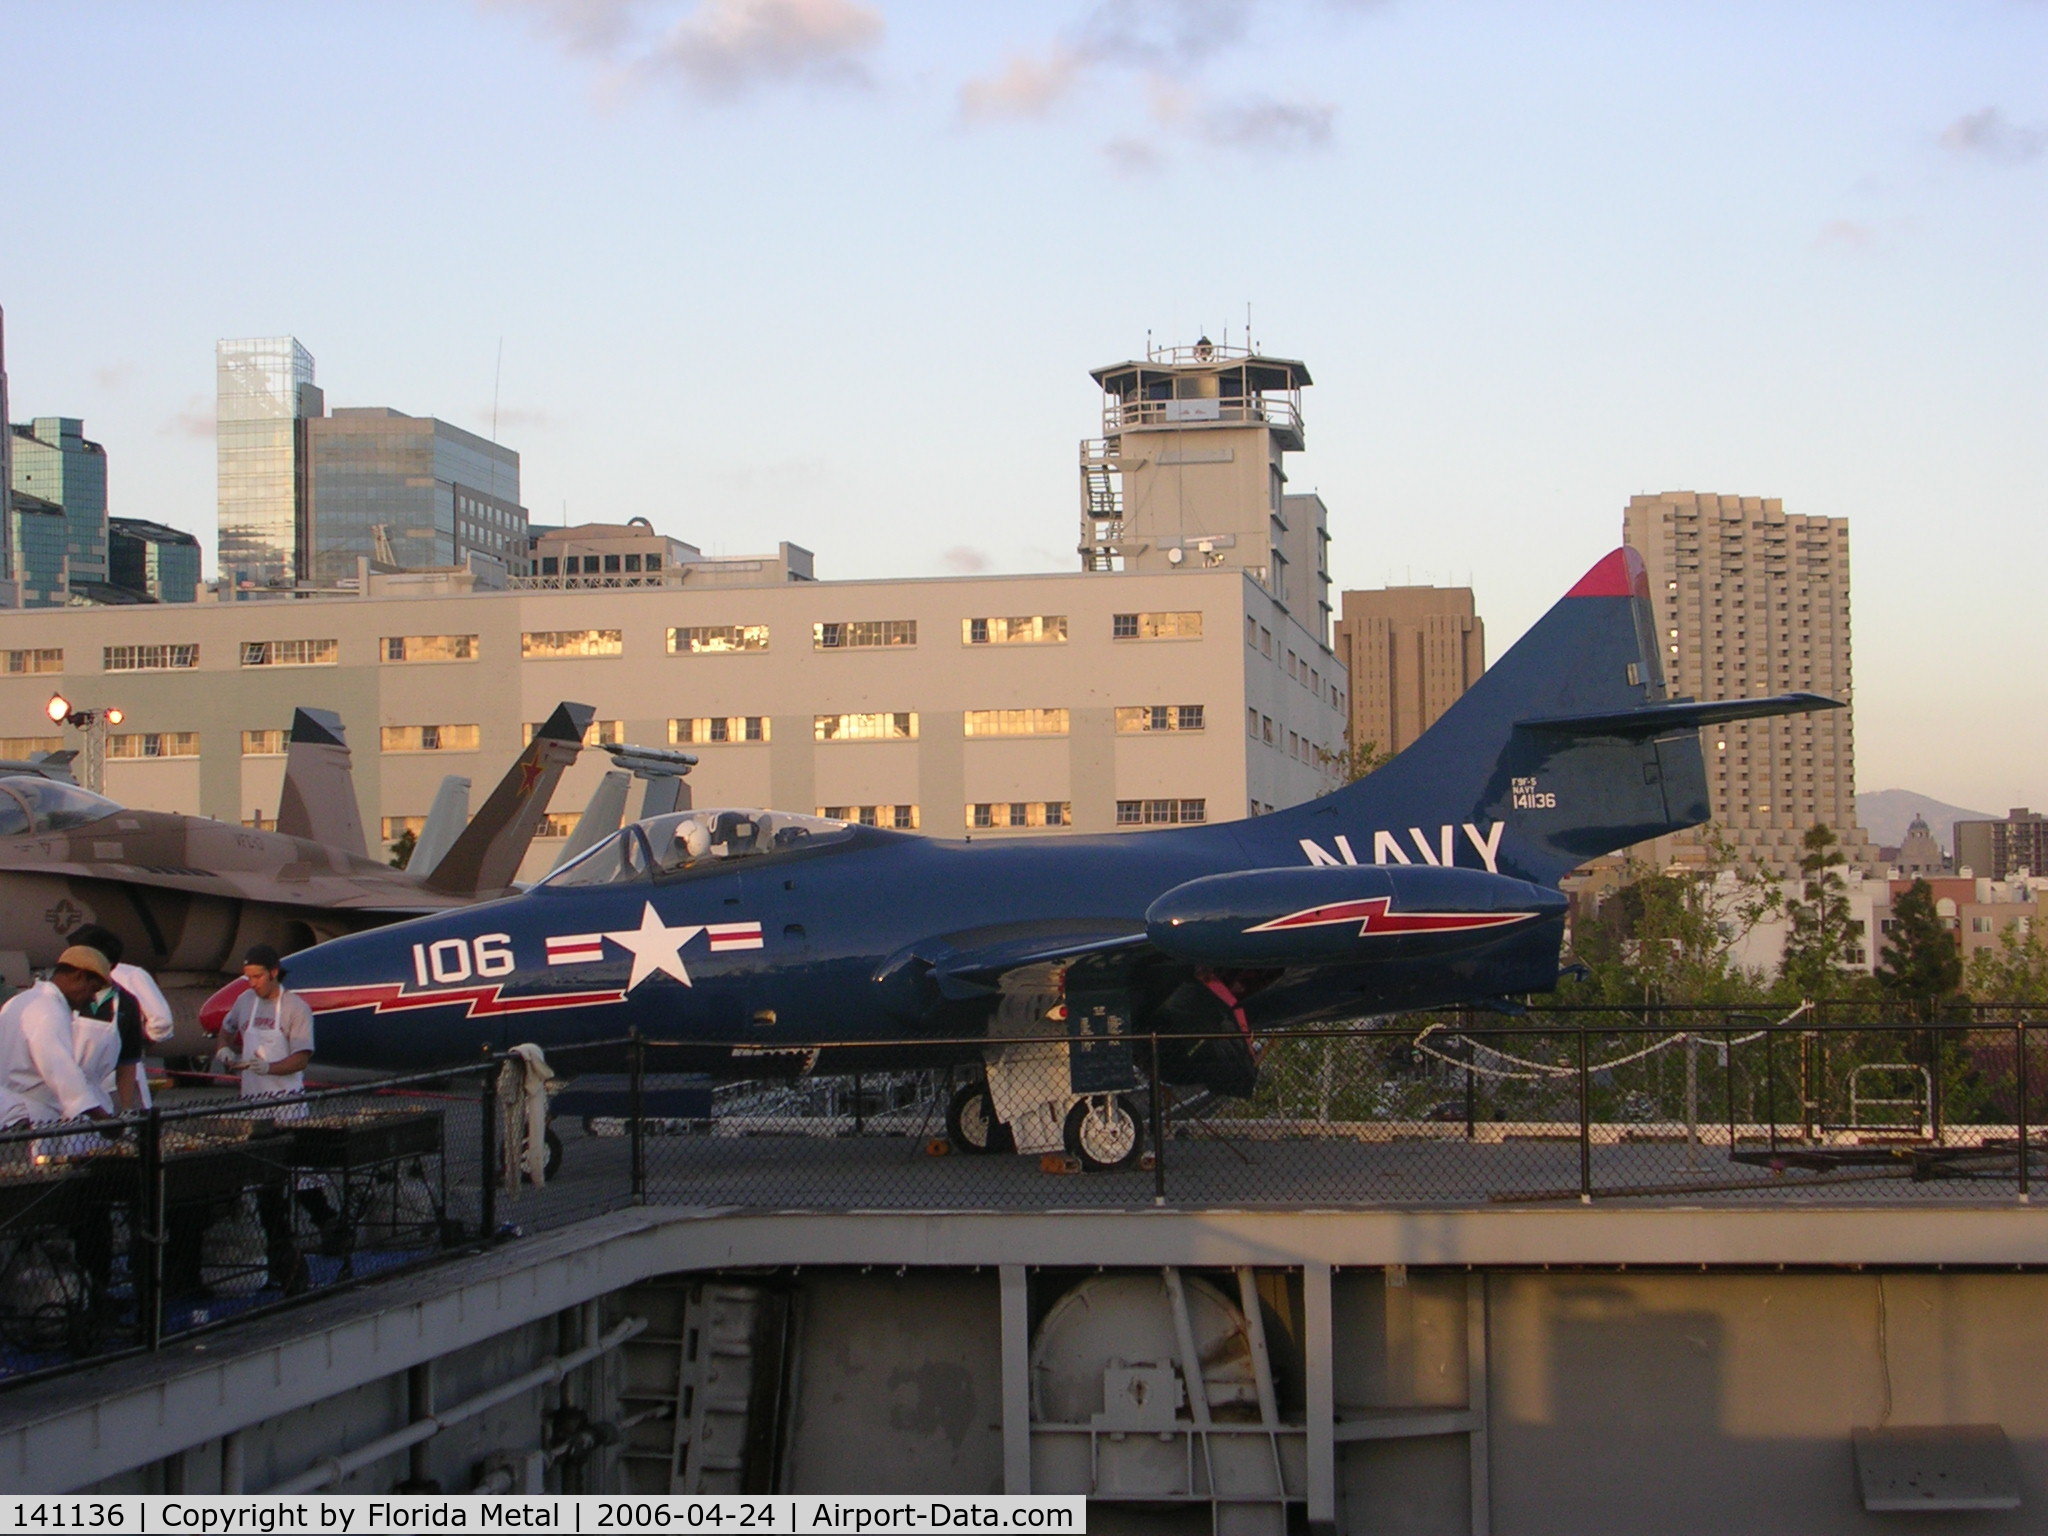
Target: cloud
1267, 123
1023, 87
1844, 235
1990, 134
963, 561
724, 47
1133, 157
1157, 32
717, 48
190, 422
113, 376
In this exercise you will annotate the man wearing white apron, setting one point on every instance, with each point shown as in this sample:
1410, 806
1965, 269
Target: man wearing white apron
269, 1033
41, 1079
158, 1023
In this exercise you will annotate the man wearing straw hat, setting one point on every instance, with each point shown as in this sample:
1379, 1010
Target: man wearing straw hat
41, 1078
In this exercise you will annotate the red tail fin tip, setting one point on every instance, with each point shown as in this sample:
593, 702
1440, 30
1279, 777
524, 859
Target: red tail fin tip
1619, 574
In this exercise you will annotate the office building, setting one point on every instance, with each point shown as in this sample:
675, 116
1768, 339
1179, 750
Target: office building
37, 538
1190, 474
1411, 651
2001, 850
10, 593
264, 395
152, 561
1752, 600
54, 460
406, 493
632, 554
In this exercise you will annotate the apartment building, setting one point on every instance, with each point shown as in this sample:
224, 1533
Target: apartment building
1411, 653
1753, 600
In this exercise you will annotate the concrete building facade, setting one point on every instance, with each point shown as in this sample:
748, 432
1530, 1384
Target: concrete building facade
1752, 600
2002, 849
633, 554
1410, 651
980, 705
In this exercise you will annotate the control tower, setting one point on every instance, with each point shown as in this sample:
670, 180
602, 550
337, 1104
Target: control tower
1190, 472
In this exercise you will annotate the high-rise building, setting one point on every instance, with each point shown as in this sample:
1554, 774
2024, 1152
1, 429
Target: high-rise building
1998, 850
53, 459
1190, 473
9, 595
1751, 600
265, 394
406, 492
1411, 652
36, 541
152, 561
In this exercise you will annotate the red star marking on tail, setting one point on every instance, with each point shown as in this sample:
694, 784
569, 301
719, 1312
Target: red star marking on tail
1373, 917
529, 775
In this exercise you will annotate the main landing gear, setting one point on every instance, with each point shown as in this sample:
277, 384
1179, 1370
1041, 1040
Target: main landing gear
1103, 1130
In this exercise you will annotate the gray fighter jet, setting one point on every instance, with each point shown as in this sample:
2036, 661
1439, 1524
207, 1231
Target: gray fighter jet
188, 895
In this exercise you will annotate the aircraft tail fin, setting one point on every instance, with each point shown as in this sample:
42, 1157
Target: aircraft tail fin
445, 821
600, 818
486, 856
319, 798
1565, 749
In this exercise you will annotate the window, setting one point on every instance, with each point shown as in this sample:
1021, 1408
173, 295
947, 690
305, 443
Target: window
1016, 722
901, 817
552, 644
1155, 626
35, 661
395, 827
718, 728
900, 726
431, 738
560, 823
599, 733
713, 639
996, 815
1152, 813
28, 746
864, 634
154, 744
1038, 629
1266, 729
149, 658
263, 743
550, 565
1159, 717
430, 648
290, 653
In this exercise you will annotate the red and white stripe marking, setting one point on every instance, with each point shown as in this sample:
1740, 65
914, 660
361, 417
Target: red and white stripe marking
726, 936
575, 948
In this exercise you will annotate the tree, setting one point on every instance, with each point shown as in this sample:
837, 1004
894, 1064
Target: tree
1822, 932
2015, 972
1923, 963
401, 849
1354, 763
1669, 936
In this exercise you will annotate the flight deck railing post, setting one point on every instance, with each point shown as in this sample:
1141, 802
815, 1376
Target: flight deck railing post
1158, 1130
2019, 1030
149, 1284
1585, 1123
487, 1155
636, 1089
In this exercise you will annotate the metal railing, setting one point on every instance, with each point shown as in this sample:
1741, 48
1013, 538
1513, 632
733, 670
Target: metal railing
1274, 410
119, 1235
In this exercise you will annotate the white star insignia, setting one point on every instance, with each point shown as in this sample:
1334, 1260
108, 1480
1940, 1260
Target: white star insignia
655, 947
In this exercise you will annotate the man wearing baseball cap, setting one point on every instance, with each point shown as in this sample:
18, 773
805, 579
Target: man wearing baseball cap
41, 1079
269, 1032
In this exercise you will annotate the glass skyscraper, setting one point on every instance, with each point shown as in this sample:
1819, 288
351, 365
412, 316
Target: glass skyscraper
152, 560
54, 460
408, 492
265, 393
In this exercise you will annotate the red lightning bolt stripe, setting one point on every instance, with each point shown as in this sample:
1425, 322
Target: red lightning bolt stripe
1372, 917
391, 997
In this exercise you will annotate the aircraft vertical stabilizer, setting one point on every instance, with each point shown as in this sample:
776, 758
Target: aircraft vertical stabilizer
444, 824
319, 799
486, 857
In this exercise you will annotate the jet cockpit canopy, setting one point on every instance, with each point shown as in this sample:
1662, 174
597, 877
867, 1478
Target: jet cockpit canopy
30, 806
669, 845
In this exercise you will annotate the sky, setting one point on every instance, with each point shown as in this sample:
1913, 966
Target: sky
835, 271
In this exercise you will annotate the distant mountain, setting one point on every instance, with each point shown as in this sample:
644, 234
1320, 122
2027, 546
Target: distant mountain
1887, 813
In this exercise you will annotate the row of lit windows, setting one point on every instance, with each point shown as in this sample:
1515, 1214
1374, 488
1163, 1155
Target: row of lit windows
981, 816
716, 728
34, 661
901, 817
137, 744
1149, 813
593, 565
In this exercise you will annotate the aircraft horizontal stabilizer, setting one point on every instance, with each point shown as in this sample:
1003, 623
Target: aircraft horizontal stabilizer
918, 975
1679, 715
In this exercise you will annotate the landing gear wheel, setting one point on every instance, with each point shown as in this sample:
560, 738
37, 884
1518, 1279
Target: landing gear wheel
554, 1163
971, 1122
1105, 1133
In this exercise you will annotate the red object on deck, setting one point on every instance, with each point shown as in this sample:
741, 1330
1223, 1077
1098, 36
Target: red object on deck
214, 1011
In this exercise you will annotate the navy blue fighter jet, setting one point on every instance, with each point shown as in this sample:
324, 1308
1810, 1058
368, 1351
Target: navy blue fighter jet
753, 938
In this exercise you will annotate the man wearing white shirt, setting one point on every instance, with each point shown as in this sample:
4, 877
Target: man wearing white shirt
41, 1081
151, 1011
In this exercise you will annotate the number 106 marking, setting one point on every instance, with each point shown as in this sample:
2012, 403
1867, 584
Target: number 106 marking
444, 960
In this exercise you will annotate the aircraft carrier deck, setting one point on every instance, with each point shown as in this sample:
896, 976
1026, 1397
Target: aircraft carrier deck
1764, 1288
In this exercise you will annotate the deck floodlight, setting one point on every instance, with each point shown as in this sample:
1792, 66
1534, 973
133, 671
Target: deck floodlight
58, 709
114, 715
